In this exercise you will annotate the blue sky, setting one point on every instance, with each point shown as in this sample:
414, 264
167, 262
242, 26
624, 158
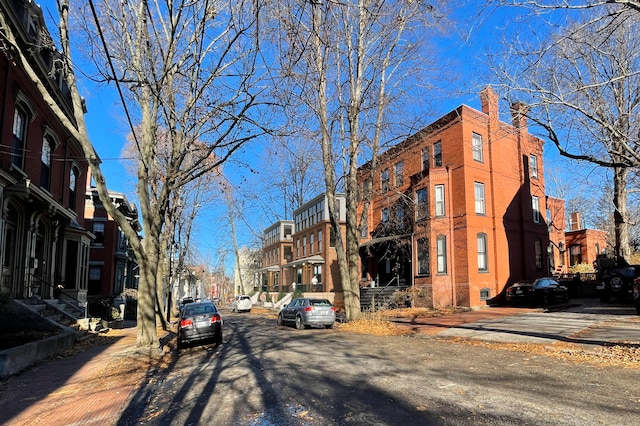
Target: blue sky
107, 127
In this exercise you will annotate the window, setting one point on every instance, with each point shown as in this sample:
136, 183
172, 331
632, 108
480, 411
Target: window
426, 157
535, 205
485, 293
384, 180
304, 246
73, 181
476, 147
538, 253
423, 256
45, 168
317, 271
441, 249
311, 243
364, 229
533, 166
385, 215
98, 231
437, 154
365, 192
20, 120
422, 204
95, 273
575, 255
483, 265
398, 170
297, 248
399, 213
440, 200
319, 241
478, 189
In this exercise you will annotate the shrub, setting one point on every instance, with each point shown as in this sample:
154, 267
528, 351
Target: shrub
581, 268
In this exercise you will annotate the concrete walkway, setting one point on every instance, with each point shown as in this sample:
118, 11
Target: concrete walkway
585, 322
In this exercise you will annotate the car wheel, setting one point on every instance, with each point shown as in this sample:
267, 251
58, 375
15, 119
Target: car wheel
218, 338
328, 326
299, 323
280, 320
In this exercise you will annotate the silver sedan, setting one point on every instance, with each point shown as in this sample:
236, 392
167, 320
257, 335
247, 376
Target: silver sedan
308, 311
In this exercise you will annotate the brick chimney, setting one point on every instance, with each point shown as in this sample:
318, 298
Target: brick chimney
575, 221
489, 101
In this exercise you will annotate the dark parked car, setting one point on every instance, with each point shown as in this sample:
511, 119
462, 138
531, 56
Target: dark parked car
540, 292
305, 312
184, 301
636, 294
616, 281
199, 321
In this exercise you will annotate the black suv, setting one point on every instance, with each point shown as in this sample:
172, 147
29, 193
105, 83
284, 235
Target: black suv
616, 281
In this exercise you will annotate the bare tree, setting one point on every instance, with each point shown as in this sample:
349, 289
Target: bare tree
582, 87
345, 63
187, 68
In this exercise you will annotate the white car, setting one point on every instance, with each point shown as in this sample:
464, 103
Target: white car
241, 303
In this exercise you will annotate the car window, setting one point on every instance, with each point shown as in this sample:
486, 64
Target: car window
319, 302
543, 283
244, 297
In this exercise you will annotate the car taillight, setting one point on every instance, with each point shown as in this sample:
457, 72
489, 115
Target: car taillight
216, 318
308, 309
333, 308
186, 323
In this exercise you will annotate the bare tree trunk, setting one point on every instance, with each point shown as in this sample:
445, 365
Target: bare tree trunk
620, 213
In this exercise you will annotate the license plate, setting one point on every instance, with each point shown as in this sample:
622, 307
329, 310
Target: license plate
202, 324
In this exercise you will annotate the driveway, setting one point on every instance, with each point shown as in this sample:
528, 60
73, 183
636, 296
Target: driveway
584, 321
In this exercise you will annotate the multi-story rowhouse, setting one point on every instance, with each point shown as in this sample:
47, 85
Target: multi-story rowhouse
112, 264
459, 210
301, 254
277, 251
43, 173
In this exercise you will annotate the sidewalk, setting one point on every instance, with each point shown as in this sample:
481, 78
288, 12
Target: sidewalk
74, 390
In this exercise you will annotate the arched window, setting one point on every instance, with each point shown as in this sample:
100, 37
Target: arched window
45, 168
73, 182
20, 120
23, 114
483, 264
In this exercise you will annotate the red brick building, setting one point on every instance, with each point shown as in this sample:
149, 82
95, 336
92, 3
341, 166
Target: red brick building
459, 209
112, 265
43, 173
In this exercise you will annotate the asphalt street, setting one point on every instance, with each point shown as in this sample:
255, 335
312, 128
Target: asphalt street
269, 375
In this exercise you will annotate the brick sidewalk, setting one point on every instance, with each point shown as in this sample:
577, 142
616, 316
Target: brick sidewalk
74, 390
